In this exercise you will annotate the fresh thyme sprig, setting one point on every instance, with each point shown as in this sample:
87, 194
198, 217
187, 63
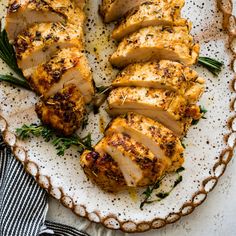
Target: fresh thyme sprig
212, 65
161, 195
60, 143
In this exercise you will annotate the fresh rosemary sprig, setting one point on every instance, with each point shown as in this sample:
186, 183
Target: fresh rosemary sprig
7, 53
212, 65
60, 143
15, 81
161, 195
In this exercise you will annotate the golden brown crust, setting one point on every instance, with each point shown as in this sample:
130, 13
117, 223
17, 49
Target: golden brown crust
64, 111
103, 171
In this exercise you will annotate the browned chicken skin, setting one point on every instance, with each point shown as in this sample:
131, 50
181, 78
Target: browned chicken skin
135, 152
64, 111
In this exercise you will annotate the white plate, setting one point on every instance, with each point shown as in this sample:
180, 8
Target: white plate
209, 144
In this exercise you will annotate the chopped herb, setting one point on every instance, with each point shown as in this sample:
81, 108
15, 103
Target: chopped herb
203, 111
195, 122
183, 145
60, 143
162, 195
178, 181
212, 65
181, 169
85, 121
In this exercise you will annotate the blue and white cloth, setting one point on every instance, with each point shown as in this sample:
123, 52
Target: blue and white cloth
23, 204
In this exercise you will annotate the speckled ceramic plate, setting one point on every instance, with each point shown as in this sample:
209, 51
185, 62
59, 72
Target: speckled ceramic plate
209, 145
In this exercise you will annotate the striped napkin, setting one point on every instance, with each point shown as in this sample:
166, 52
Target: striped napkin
23, 204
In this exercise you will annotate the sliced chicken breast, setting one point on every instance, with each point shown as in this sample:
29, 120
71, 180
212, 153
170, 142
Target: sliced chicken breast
80, 3
64, 111
39, 43
165, 106
163, 75
23, 13
112, 10
157, 43
68, 66
150, 14
138, 165
103, 170
159, 140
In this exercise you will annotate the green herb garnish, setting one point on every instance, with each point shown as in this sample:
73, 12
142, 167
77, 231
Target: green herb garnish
7, 54
15, 81
203, 111
161, 195
212, 65
60, 143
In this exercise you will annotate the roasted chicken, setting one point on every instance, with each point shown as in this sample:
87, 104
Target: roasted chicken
135, 152
150, 14
67, 66
103, 170
163, 75
114, 9
137, 164
63, 111
162, 105
157, 43
40, 42
22, 14
159, 140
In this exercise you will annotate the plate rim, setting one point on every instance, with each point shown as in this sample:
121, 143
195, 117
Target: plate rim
110, 221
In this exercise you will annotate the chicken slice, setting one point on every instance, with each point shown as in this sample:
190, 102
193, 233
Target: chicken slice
138, 165
112, 10
22, 14
163, 75
80, 3
103, 170
165, 106
68, 66
157, 138
64, 111
37, 44
150, 14
157, 43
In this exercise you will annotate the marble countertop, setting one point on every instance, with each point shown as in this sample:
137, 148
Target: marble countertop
215, 217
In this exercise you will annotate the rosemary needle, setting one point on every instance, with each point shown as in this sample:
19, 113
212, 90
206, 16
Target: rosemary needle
212, 65
15, 81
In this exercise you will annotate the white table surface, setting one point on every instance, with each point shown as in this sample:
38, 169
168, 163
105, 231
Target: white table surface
215, 217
